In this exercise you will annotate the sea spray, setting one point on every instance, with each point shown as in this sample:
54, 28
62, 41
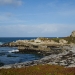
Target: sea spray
13, 51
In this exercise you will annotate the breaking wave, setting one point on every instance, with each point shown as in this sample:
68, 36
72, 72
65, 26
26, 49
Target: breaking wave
13, 51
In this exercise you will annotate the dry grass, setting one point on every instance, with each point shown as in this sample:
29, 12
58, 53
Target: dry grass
69, 39
39, 70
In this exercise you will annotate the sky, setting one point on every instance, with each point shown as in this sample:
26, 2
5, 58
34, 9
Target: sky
37, 18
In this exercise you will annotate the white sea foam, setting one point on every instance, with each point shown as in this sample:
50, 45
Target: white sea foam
12, 51
1, 43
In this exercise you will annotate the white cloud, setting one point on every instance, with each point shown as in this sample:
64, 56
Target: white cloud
44, 30
10, 2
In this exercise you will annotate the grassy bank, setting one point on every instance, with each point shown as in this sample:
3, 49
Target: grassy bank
39, 70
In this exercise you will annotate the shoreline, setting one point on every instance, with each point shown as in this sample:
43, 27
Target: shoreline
39, 45
66, 59
56, 51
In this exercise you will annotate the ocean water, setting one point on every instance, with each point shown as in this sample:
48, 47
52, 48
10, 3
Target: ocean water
7, 57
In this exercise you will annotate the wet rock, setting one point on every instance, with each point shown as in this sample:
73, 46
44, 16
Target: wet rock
9, 55
1, 64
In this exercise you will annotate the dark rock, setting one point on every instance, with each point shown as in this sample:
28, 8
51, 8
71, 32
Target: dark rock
9, 55
1, 64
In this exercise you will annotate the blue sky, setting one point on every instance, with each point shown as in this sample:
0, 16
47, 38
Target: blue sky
37, 18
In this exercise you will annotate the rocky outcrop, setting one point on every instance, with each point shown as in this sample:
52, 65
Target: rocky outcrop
73, 34
41, 49
39, 45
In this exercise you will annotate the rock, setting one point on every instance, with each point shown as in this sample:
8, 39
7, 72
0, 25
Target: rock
53, 42
71, 65
73, 34
66, 58
62, 41
12, 44
1, 64
38, 40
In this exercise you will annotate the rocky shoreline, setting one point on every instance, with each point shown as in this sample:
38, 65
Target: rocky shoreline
66, 58
56, 51
43, 46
